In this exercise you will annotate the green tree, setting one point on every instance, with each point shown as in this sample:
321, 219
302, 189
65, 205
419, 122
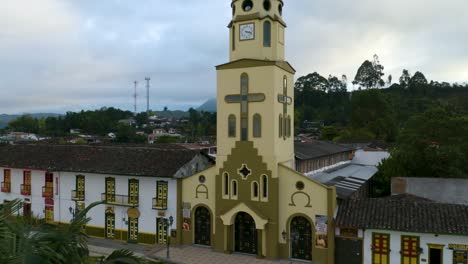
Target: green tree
25, 123
405, 79
369, 75
433, 144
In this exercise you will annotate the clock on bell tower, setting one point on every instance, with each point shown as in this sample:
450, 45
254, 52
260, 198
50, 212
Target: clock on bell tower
257, 30
255, 89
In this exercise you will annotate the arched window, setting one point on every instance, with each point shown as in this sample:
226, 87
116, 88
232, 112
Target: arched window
233, 38
280, 127
247, 5
257, 126
226, 183
232, 126
267, 5
264, 186
234, 188
244, 106
280, 9
288, 127
254, 189
267, 34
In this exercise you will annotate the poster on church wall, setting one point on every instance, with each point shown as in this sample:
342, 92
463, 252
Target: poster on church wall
186, 213
321, 231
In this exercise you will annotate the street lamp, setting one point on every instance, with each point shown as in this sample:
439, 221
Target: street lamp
169, 222
72, 211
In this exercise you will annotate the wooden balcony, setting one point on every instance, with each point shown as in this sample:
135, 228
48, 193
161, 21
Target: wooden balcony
25, 189
6, 187
47, 192
77, 195
159, 205
123, 200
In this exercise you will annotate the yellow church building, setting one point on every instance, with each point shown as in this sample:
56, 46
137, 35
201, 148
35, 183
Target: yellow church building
252, 200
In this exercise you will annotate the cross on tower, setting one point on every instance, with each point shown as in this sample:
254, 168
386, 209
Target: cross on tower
244, 98
285, 100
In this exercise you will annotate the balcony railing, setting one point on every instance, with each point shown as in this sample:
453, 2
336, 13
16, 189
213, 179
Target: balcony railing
25, 189
47, 192
116, 199
77, 195
6, 187
159, 205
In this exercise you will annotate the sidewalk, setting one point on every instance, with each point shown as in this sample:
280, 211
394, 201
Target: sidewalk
180, 254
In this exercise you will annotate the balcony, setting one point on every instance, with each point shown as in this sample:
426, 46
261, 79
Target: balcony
6, 187
77, 195
123, 200
47, 192
25, 189
159, 205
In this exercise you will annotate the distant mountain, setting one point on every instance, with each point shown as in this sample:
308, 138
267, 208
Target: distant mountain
5, 119
208, 106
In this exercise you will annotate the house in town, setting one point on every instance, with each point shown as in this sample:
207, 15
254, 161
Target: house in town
402, 229
253, 201
315, 155
140, 186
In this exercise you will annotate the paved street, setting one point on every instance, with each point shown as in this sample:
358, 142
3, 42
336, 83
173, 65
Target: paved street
179, 254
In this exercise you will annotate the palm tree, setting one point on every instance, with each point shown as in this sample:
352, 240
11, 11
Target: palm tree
21, 242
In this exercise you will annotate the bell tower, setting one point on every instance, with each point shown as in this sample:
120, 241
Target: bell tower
257, 30
255, 89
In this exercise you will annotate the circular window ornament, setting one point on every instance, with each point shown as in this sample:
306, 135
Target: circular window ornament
280, 9
300, 185
247, 5
267, 5
202, 179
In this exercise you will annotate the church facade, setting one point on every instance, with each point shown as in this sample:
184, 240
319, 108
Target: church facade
253, 201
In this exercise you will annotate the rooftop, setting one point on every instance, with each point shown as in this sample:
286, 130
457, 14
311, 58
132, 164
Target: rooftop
162, 160
406, 213
317, 149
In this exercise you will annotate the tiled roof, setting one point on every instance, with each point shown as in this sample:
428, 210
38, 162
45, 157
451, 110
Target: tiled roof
405, 213
316, 149
161, 160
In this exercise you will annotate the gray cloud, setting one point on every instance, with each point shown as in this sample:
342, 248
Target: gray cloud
60, 55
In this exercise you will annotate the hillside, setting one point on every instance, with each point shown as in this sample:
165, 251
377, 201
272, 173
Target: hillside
5, 119
208, 106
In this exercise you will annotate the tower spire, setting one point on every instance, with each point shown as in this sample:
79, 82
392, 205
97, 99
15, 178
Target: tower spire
135, 97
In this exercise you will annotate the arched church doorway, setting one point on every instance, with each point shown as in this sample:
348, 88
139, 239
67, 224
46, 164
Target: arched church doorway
245, 234
202, 226
301, 238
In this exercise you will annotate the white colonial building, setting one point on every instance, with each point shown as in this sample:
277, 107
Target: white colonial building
402, 229
139, 186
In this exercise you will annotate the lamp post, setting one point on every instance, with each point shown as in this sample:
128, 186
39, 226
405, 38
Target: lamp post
72, 211
169, 222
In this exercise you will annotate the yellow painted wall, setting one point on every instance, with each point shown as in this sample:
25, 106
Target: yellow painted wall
267, 80
316, 191
189, 186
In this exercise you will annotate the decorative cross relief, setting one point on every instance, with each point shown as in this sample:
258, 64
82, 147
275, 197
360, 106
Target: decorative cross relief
244, 98
244, 171
285, 100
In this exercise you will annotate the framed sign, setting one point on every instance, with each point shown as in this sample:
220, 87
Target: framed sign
321, 231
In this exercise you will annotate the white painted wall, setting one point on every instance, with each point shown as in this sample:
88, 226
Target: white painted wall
425, 239
94, 186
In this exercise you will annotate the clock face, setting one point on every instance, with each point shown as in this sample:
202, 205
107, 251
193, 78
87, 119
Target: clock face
247, 31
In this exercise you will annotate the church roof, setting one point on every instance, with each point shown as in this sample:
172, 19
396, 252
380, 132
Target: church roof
317, 149
406, 213
249, 63
156, 161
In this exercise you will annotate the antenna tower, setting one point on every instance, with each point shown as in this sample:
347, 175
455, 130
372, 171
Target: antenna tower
135, 97
147, 79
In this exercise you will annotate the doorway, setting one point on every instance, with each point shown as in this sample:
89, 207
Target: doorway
202, 226
301, 238
435, 254
245, 234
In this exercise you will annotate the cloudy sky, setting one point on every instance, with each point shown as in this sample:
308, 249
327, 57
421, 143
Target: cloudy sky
60, 55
